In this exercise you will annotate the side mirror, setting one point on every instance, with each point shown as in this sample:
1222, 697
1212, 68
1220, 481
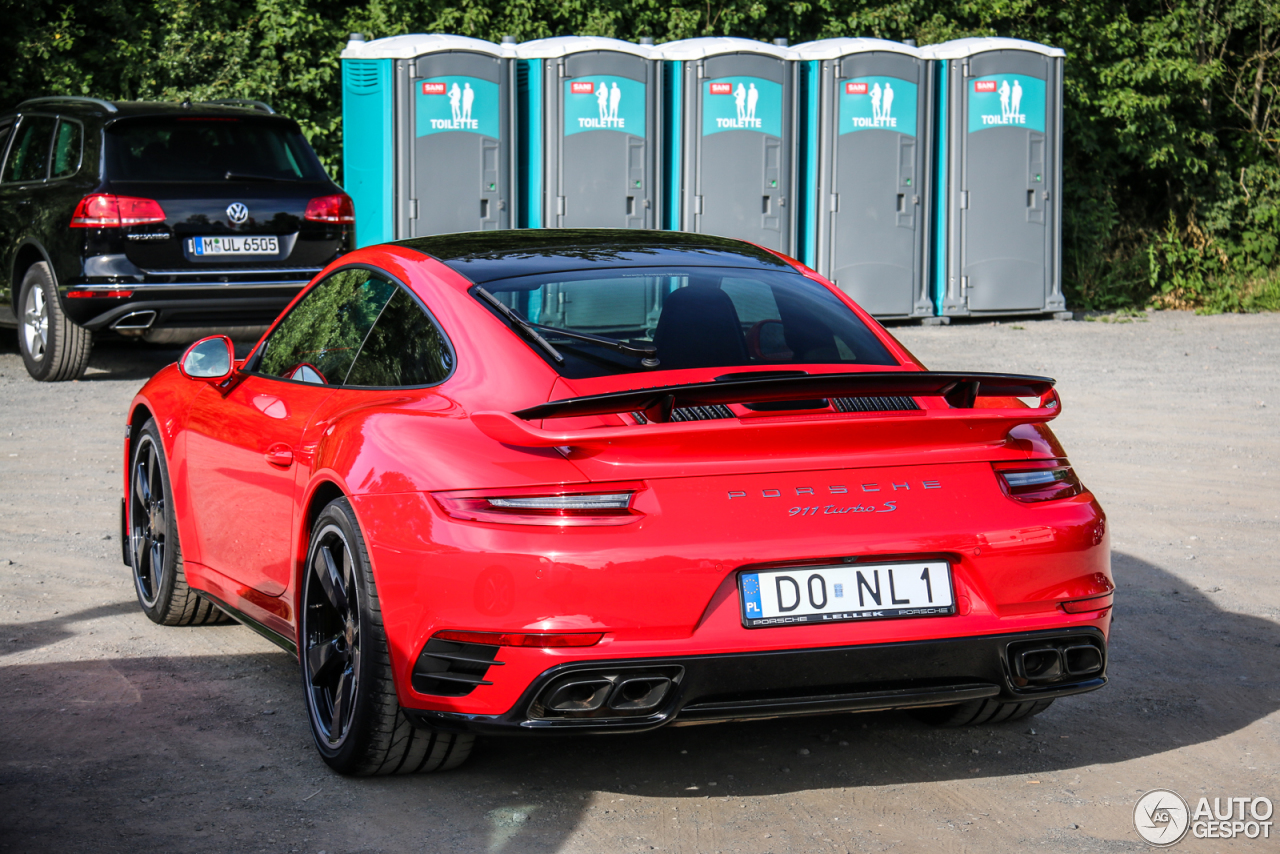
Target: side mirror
209, 359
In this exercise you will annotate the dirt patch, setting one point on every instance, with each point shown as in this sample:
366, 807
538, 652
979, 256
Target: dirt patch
125, 736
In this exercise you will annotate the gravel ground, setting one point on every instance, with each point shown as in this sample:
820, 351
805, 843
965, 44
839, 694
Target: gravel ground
126, 736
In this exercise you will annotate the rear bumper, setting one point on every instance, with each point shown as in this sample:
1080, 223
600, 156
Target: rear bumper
190, 305
745, 686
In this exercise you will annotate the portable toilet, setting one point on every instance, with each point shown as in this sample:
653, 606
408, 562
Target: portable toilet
998, 226
866, 126
590, 134
731, 132
428, 130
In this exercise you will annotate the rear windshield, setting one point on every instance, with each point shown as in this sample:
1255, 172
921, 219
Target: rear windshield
695, 317
196, 149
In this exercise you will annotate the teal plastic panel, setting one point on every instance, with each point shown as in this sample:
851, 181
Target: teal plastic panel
942, 128
368, 168
673, 147
529, 97
807, 192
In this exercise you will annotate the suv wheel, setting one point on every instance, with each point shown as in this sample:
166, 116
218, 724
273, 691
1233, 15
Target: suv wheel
53, 348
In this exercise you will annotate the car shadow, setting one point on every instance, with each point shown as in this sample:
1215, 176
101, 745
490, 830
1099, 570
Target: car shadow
1183, 672
25, 637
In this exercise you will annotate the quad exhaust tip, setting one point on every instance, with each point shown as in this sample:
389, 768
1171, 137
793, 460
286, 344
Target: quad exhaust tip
1055, 661
606, 695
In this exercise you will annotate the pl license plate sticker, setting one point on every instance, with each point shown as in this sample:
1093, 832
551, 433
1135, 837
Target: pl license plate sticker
235, 246
833, 594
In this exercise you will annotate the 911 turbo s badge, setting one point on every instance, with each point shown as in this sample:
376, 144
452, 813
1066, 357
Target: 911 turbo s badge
834, 510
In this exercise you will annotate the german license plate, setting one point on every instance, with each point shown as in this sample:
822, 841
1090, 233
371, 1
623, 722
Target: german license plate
848, 592
235, 246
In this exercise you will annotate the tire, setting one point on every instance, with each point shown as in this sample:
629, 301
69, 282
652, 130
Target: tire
155, 555
53, 348
355, 717
981, 712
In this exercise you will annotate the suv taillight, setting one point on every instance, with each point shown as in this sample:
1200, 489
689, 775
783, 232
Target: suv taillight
337, 208
1038, 481
103, 210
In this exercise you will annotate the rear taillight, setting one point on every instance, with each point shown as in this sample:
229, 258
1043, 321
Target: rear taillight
103, 210
1030, 482
603, 505
338, 208
539, 640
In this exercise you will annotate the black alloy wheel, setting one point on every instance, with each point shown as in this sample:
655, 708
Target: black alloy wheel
356, 720
150, 522
332, 654
154, 553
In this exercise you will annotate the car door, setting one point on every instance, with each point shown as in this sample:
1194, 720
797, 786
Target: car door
24, 173
6, 238
245, 457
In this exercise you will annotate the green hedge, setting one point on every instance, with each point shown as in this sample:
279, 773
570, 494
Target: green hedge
1172, 132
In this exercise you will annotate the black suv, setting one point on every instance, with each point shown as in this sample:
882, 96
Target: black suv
162, 221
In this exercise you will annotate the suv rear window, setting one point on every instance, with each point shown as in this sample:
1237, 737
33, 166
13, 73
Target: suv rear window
209, 149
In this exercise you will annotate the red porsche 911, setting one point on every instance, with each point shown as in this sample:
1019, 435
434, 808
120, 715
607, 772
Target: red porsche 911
556, 482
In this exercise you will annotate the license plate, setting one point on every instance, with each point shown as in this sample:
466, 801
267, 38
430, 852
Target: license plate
235, 246
848, 592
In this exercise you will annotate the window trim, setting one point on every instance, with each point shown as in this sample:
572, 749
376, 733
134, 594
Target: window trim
48, 154
80, 155
250, 362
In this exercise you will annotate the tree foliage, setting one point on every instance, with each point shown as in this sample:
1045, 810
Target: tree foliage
1172, 190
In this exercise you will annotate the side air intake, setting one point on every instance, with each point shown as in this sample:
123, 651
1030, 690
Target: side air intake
452, 669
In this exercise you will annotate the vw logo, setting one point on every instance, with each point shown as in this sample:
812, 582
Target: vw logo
237, 213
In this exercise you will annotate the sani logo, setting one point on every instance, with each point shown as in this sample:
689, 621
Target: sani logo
607, 101
461, 101
1010, 101
881, 105
746, 99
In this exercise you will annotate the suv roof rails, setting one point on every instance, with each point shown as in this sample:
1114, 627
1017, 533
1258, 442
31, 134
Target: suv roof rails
243, 102
75, 99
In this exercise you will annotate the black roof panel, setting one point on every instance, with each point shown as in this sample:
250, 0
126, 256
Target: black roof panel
486, 256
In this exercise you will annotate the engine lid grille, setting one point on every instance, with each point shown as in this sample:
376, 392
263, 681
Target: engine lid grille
894, 403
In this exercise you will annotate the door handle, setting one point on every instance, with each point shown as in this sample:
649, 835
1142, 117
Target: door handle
280, 454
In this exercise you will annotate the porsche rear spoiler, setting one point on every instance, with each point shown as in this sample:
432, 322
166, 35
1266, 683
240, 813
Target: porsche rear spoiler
960, 391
